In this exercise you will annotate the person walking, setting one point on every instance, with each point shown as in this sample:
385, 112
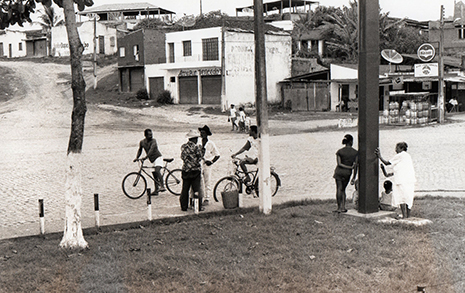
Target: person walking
150, 146
191, 155
347, 161
210, 156
403, 174
232, 117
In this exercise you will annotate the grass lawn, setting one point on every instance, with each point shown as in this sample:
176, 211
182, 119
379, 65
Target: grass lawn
300, 247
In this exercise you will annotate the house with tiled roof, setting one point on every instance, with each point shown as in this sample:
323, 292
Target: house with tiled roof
125, 15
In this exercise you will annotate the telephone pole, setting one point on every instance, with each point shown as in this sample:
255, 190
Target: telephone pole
441, 68
368, 85
262, 109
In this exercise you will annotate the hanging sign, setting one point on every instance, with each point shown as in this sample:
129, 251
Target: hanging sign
426, 52
426, 70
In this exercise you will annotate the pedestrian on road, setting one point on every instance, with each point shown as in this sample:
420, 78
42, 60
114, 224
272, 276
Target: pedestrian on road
232, 117
251, 146
403, 189
241, 119
210, 156
347, 160
191, 155
150, 146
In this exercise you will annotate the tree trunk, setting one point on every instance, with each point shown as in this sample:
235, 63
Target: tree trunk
73, 237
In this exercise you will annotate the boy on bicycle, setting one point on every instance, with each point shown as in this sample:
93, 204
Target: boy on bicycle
251, 146
150, 146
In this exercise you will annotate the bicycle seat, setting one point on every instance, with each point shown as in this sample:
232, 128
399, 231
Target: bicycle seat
168, 160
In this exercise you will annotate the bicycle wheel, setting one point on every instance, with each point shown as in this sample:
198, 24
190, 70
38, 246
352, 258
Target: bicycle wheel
274, 184
228, 183
173, 181
134, 185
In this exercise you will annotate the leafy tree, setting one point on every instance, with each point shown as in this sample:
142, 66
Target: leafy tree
18, 12
49, 19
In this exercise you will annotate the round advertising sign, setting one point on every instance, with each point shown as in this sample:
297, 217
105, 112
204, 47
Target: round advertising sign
426, 52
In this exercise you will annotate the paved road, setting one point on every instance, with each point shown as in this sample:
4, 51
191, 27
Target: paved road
35, 132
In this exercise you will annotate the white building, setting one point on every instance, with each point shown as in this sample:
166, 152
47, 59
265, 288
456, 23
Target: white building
12, 43
216, 66
106, 43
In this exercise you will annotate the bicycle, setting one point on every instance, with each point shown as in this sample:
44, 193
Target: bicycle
135, 185
238, 179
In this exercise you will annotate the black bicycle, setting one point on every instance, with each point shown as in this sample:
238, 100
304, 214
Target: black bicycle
238, 180
135, 184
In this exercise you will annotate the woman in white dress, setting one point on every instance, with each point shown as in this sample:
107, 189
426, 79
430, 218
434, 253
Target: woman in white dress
404, 178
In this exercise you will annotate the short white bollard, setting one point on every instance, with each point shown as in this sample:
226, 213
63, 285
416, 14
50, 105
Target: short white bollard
97, 210
196, 203
41, 216
149, 204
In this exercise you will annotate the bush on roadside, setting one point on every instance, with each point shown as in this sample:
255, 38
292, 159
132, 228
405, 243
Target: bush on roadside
142, 94
165, 97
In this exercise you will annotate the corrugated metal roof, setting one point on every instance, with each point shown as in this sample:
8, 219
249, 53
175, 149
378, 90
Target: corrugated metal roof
144, 6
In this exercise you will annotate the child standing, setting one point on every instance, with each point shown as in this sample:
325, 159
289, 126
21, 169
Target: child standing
232, 117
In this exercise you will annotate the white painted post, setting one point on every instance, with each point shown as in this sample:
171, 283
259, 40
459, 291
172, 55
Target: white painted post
196, 203
241, 200
41, 216
149, 204
97, 210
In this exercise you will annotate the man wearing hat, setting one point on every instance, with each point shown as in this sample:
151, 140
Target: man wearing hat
191, 155
210, 156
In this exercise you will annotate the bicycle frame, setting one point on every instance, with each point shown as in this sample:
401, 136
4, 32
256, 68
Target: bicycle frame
142, 168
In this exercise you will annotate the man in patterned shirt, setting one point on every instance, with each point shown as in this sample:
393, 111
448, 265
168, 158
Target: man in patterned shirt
191, 155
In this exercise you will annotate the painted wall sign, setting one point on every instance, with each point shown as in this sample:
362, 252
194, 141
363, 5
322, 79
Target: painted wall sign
201, 72
426, 70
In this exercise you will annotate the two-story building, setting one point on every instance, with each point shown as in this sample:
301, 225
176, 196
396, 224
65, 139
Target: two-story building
216, 65
212, 65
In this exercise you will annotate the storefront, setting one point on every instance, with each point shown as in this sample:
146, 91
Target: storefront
410, 108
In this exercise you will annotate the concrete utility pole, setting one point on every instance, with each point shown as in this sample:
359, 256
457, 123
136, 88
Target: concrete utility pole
368, 112
95, 52
262, 109
441, 68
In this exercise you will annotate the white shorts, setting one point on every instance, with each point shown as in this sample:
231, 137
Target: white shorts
157, 163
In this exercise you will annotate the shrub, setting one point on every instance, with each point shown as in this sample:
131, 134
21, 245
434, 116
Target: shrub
165, 97
142, 94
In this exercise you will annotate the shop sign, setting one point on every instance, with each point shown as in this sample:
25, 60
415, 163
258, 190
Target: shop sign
426, 70
426, 52
201, 72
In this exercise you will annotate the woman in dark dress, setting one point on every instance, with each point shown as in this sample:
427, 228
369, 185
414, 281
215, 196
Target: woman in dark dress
347, 160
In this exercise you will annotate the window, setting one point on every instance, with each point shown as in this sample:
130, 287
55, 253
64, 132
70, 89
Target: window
461, 31
210, 49
170, 52
20, 46
135, 50
187, 48
122, 52
172, 78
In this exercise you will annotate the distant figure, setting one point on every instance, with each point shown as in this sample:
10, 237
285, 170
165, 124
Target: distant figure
149, 144
347, 160
403, 178
385, 201
241, 119
191, 155
232, 117
210, 156
248, 123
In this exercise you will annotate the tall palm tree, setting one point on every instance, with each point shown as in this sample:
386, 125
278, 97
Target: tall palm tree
49, 19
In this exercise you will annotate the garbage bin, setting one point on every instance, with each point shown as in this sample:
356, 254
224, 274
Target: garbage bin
230, 199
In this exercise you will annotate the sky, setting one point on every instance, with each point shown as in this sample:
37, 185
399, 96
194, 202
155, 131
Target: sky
413, 9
